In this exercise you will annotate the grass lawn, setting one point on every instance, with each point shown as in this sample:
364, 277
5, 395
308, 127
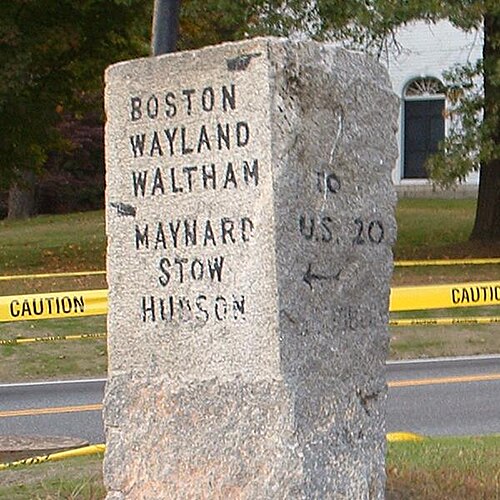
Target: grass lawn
88, 357
71, 479
428, 228
53, 243
444, 469
55, 359
433, 469
435, 341
438, 229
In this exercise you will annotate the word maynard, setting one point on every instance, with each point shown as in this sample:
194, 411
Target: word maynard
193, 232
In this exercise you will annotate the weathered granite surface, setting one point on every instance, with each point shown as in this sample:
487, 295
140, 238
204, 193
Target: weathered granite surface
250, 224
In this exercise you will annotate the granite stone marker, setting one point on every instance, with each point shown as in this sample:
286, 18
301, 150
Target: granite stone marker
250, 224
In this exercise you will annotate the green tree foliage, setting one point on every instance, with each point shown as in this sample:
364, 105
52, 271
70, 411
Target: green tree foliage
53, 55
474, 139
212, 22
473, 142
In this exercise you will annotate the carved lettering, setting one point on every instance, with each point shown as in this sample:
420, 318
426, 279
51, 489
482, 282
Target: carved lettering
183, 233
226, 176
186, 101
201, 308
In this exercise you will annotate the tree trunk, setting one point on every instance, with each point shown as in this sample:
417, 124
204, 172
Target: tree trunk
22, 197
487, 224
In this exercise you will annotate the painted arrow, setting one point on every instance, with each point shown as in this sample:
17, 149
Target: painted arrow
309, 276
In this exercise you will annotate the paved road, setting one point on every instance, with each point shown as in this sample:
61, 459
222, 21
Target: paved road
458, 397
62, 408
440, 397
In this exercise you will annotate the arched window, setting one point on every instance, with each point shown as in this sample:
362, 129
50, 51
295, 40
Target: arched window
421, 88
424, 102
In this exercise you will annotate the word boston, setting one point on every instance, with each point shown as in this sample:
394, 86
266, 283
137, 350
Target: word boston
247, 325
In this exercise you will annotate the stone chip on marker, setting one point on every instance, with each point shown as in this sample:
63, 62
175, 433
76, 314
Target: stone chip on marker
241, 63
124, 210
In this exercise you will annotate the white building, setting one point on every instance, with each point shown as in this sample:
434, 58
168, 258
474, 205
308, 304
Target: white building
416, 71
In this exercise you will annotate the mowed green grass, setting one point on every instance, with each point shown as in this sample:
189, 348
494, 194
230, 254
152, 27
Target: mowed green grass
438, 229
433, 469
427, 228
60, 359
427, 225
77, 242
75, 478
52, 243
444, 469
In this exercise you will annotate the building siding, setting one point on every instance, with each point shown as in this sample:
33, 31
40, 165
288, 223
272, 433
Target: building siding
427, 50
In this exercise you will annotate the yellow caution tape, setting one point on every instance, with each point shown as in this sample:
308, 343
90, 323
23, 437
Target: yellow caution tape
52, 338
445, 296
53, 305
446, 262
61, 455
50, 275
394, 437
97, 449
94, 302
476, 320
